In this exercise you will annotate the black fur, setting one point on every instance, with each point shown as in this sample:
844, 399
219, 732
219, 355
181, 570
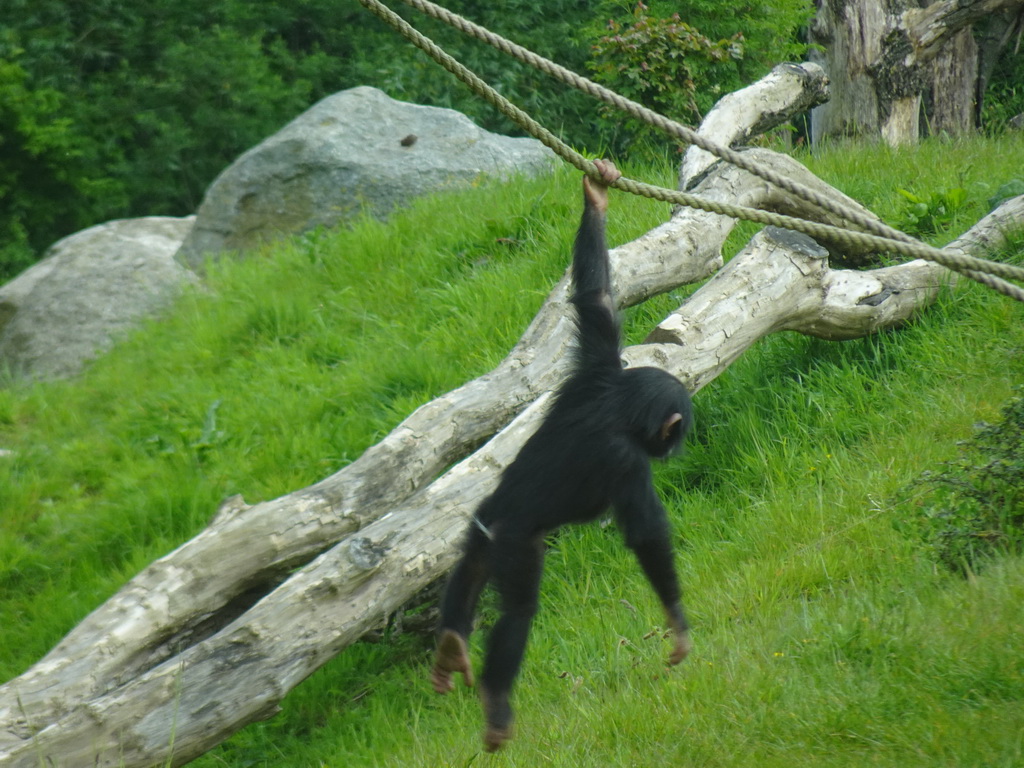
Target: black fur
592, 452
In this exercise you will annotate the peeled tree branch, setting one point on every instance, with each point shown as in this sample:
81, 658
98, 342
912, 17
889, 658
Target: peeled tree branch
929, 28
213, 635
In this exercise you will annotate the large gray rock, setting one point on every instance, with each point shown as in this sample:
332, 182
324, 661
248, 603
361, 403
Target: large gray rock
355, 149
88, 289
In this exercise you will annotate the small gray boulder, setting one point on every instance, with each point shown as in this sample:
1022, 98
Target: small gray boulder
88, 289
358, 149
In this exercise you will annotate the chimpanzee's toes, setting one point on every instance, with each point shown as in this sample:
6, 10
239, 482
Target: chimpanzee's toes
452, 656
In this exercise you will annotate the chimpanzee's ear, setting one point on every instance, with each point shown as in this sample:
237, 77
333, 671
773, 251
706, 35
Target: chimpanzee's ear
671, 426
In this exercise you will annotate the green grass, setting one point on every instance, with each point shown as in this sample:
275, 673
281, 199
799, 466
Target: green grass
826, 634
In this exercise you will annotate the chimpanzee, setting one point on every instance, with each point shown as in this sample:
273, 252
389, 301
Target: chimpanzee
592, 452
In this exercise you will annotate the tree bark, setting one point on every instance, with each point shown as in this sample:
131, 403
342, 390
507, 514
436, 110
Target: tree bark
950, 101
213, 635
887, 59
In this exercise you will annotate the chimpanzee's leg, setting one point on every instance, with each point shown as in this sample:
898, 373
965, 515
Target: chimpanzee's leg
517, 564
458, 607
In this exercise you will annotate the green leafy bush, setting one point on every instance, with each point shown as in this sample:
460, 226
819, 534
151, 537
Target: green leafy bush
42, 159
658, 62
974, 505
114, 109
680, 58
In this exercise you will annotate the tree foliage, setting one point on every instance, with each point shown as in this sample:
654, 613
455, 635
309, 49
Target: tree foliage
116, 108
680, 58
113, 109
659, 62
119, 108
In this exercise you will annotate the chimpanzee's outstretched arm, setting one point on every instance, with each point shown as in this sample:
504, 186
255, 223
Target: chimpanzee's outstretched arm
644, 524
597, 320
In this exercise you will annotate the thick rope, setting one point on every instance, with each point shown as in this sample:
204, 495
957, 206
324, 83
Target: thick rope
649, 116
982, 270
683, 132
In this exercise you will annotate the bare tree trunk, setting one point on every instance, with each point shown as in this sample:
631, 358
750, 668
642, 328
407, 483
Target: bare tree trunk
949, 103
890, 59
850, 33
212, 636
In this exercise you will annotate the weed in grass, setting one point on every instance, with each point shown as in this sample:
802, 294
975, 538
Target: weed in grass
974, 505
928, 214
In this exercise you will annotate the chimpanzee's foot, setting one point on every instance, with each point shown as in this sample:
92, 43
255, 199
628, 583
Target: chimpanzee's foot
452, 656
499, 720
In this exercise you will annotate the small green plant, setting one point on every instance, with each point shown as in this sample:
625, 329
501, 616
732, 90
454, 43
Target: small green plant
659, 62
974, 506
928, 215
1010, 189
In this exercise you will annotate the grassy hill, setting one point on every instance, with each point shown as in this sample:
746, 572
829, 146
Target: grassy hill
836, 621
